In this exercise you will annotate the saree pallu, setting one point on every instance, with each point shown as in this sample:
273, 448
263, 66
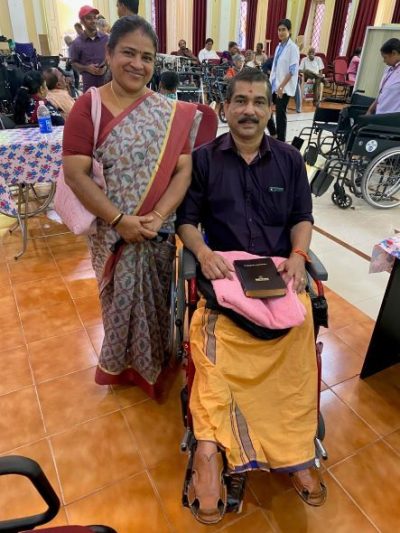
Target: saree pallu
139, 150
256, 399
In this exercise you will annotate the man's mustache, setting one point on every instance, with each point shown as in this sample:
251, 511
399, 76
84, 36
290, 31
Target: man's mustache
248, 119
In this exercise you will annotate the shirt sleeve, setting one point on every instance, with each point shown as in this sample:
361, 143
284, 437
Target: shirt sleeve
320, 64
201, 56
191, 209
302, 202
74, 54
79, 129
294, 58
301, 67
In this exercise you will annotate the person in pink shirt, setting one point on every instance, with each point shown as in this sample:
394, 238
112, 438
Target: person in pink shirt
353, 65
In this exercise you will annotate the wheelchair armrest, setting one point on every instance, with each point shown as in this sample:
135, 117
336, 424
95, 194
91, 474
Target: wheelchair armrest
15, 464
188, 264
316, 269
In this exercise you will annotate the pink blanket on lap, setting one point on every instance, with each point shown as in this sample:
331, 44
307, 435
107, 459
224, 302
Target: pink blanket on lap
272, 313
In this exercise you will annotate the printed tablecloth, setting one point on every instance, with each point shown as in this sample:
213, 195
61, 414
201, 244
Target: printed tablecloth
384, 254
27, 156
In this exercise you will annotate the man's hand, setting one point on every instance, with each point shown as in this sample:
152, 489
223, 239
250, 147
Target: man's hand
214, 266
95, 70
294, 267
279, 92
133, 228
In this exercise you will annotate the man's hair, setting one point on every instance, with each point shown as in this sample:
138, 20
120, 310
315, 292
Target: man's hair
285, 22
209, 40
237, 57
78, 25
392, 45
260, 44
169, 80
132, 5
126, 25
231, 43
51, 79
250, 75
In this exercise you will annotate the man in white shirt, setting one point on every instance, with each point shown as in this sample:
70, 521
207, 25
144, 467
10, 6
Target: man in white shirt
207, 52
312, 68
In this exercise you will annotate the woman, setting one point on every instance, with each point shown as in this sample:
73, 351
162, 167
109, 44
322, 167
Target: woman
238, 62
353, 65
144, 144
284, 75
33, 91
388, 100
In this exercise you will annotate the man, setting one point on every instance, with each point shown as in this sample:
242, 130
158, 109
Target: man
184, 51
249, 59
169, 82
207, 52
58, 94
227, 55
88, 51
126, 8
260, 56
79, 29
312, 68
255, 399
388, 100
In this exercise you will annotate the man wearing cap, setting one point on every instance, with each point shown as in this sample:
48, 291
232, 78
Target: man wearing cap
88, 51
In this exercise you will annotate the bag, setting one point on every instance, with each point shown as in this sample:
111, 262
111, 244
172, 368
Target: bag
321, 182
74, 215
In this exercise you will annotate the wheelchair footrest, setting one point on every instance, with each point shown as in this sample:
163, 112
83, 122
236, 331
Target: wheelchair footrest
320, 311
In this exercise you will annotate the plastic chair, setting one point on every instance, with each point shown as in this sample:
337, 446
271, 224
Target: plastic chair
340, 76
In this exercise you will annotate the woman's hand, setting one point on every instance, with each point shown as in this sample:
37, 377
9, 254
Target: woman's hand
134, 228
279, 92
155, 224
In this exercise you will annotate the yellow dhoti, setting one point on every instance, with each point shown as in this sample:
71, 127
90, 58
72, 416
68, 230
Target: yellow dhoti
257, 399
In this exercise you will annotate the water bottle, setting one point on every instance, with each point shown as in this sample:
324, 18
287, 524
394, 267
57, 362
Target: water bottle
44, 118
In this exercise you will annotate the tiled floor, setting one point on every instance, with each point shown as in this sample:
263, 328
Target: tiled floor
113, 456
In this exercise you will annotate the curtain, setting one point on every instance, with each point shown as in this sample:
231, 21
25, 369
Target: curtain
304, 20
276, 12
365, 17
161, 25
337, 28
396, 13
251, 23
199, 25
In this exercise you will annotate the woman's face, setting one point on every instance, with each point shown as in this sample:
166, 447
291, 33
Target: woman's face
283, 33
391, 59
132, 61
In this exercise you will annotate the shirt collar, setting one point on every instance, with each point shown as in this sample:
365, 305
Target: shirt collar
86, 37
228, 143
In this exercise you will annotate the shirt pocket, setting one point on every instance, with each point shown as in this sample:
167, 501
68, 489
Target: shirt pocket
274, 209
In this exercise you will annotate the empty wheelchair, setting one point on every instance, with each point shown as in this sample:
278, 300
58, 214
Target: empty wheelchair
368, 167
184, 299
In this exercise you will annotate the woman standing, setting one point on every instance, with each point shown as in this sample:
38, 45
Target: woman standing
144, 144
284, 75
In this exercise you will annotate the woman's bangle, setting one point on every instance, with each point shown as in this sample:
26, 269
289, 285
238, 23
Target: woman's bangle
159, 215
303, 254
116, 220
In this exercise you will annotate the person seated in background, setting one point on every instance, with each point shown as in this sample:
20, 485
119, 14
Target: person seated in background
260, 57
33, 91
169, 81
58, 94
255, 399
126, 8
249, 59
388, 100
354, 64
227, 56
237, 65
312, 68
207, 52
103, 26
184, 51
79, 28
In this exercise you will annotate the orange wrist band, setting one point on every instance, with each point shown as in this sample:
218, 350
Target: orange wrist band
303, 254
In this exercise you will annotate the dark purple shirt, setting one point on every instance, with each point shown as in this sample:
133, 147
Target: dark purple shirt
87, 51
247, 207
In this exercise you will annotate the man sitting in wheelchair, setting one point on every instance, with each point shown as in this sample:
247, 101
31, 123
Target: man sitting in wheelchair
257, 400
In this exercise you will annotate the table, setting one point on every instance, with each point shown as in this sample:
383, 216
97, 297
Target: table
27, 158
384, 347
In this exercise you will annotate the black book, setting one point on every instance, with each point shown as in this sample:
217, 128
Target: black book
260, 278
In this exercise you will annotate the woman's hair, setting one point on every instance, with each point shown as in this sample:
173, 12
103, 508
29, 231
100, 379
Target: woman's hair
357, 51
126, 25
237, 57
31, 84
392, 45
285, 22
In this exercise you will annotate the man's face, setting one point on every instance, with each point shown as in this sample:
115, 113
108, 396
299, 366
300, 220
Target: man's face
259, 49
311, 54
283, 33
209, 45
233, 50
249, 110
120, 9
89, 22
182, 44
248, 55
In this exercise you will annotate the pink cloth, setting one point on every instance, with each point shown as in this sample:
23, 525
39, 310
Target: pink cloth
273, 313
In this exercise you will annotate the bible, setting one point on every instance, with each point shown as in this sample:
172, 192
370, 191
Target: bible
259, 278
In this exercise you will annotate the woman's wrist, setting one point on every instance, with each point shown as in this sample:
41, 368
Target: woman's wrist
116, 220
159, 215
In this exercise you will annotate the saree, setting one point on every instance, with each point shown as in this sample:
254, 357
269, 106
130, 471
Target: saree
139, 151
257, 399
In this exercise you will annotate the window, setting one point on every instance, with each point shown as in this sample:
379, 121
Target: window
345, 32
153, 14
318, 20
242, 25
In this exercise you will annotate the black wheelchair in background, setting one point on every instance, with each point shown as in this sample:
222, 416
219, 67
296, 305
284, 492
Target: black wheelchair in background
184, 299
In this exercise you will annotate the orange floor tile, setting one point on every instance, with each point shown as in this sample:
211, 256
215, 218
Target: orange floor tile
112, 455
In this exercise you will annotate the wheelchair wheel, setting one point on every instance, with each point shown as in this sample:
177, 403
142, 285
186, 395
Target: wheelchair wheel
344, 202
380, 184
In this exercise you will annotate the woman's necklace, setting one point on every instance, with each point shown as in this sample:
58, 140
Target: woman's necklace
116, 97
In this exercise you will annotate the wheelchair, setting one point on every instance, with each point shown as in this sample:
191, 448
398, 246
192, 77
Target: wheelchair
184, 298
368, 165
23, 466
